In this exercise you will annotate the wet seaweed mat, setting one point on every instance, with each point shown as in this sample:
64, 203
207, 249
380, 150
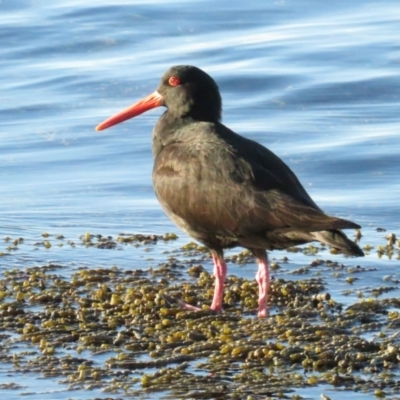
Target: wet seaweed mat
122, 332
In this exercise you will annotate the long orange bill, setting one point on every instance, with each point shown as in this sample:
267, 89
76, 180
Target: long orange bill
153, 100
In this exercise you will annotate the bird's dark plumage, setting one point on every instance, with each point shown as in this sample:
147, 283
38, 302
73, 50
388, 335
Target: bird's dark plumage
223, 189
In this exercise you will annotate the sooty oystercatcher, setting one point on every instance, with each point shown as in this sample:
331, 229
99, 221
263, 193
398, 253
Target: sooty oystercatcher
225, 190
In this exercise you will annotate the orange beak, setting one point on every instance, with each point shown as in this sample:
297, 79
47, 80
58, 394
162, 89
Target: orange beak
152, 101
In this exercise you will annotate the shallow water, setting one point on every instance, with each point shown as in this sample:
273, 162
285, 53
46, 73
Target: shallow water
318, 83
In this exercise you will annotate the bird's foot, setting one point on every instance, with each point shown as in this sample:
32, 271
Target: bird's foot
187, 306
173, 301
262, 313
216, 309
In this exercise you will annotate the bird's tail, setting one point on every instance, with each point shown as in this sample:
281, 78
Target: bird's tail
338, 240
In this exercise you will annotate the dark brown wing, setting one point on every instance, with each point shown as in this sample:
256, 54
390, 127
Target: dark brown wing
228, 186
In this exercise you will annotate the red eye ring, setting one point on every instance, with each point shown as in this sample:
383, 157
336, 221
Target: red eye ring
174, 81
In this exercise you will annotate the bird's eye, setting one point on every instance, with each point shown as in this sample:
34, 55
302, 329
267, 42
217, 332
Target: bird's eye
174, 81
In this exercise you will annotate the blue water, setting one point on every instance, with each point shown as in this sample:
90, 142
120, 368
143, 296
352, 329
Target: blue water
316, 82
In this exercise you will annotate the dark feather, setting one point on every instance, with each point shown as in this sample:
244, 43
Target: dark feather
226, 190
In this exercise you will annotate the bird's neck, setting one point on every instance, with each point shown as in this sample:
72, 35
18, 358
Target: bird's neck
168, 130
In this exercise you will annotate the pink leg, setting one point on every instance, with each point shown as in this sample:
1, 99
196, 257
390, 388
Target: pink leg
262, 278
220, 270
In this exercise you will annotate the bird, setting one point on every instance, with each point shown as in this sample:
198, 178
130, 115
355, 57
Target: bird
223, 189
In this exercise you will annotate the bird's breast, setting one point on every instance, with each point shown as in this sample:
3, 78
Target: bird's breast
189, 183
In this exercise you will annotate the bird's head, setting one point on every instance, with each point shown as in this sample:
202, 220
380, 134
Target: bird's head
185, 90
